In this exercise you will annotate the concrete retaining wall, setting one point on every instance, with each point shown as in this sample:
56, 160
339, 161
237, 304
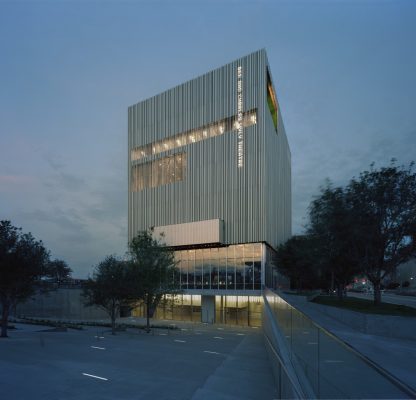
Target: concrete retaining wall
373, 324
61, 304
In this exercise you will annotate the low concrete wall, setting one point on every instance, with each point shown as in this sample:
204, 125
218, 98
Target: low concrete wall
61, 304
373, 324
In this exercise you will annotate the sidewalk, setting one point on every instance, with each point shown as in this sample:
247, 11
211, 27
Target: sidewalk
397, 356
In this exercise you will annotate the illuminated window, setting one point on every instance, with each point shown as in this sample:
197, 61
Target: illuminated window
271, 101
193, 136
158, 172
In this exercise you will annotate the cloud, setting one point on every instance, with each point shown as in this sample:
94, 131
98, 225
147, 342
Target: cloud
53, 162
15, 179
15, 183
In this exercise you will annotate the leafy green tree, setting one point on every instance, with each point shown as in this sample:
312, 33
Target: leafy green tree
153, 271
109, 288
23, 266
297, 259
383, 206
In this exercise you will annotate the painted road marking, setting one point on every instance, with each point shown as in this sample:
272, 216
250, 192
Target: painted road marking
220, 329
218, 337
180, 341
241, 334
162, 334
99, 337
211, 352
98, 348
95, 376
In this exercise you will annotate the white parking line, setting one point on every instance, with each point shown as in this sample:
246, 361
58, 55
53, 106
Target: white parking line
180, 341
220, 329
95, 376
211, 352
163, 334
241, 334
98, 348
218, 337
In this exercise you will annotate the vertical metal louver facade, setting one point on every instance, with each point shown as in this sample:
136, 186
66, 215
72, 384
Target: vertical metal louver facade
253, 198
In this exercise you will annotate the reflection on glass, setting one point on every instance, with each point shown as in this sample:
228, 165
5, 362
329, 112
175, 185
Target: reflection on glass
206, 269
191, 269
239, 251
222, 275
230, 274
248, 277
214, 274
184, 274
236, 267
257, 252
257, 275
207, 275
239, 274
198, 274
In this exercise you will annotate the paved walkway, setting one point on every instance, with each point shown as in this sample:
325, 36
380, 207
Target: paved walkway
194, 362
397, 356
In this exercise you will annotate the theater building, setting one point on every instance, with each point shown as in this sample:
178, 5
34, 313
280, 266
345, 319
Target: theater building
209, 166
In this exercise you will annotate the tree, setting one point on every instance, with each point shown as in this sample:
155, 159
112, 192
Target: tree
153, 271
383, 206
23, 265
109, 288
59, 270
297, 260
331, 226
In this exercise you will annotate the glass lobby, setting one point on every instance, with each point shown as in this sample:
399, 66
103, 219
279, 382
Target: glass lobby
236, 267
231, 310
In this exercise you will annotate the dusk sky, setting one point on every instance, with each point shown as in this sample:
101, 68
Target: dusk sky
344, 71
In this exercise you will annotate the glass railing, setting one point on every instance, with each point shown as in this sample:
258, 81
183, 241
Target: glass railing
332, 368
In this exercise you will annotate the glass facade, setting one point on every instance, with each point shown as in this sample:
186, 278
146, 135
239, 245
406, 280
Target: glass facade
273, 278
238, 310
236, 267
230, 310
158, 172
193, 136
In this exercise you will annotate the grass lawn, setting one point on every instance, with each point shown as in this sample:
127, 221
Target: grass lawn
366, 306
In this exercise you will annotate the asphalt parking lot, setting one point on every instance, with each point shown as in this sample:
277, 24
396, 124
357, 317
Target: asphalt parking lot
196, 362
